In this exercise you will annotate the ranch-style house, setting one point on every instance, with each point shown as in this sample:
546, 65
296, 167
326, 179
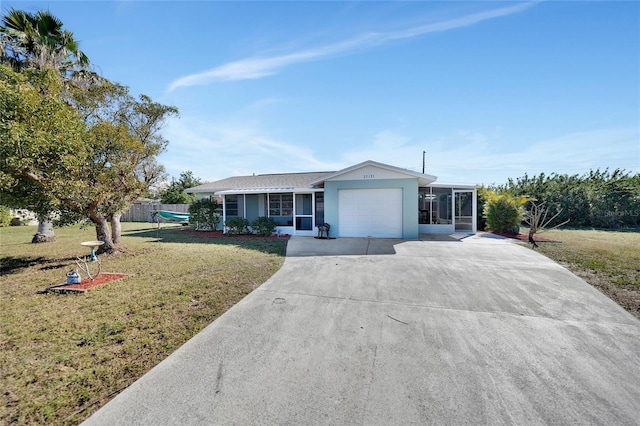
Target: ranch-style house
369, 199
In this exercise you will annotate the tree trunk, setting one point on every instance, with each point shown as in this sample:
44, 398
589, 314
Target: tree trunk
116, 228
102, 231
532, 232
45, 232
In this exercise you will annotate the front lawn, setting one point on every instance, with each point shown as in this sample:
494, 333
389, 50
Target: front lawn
62, 356
608, 260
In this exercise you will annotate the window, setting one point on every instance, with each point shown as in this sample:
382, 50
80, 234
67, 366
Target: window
280, 204
281, 208
319, 208
425, 215
434, 206
231, 205
442, 205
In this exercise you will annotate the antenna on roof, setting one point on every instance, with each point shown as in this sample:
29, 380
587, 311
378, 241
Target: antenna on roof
423, 153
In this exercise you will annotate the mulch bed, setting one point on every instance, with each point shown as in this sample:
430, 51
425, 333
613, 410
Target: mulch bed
524, 237
86, 283
220, 234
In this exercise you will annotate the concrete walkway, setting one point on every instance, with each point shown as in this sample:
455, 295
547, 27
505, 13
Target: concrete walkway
466, 331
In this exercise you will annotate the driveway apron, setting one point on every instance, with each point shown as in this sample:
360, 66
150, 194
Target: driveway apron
464, 331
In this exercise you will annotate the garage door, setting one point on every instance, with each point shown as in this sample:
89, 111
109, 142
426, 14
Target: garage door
370, 212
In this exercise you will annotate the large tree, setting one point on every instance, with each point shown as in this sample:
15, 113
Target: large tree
88, 152
115, 161
41, 141
124, 143
39, 41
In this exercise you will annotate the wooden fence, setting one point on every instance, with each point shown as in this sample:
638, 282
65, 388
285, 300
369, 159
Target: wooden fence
142, 212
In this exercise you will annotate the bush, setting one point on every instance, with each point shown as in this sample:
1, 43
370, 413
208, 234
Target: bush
5, 216
237, 226
204, 215
597, 198
482, 198
264, 226
15, 221
503, 212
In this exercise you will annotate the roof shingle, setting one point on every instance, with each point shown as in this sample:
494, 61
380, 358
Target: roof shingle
281, 180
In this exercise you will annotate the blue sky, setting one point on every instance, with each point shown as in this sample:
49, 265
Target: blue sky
489, 90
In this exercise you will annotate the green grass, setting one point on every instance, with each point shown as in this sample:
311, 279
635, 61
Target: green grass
63, 356
608, 260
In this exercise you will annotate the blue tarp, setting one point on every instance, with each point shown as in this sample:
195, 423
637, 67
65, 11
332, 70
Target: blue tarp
177, 216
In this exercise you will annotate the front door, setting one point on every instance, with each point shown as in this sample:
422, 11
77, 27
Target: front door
304, 214
463, 211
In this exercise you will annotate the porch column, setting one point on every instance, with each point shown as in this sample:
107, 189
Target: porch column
224, 213
313, 210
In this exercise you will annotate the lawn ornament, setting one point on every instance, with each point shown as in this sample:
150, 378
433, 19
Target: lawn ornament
73, 277
83, 263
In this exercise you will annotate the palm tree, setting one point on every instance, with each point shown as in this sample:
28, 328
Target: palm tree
39, 41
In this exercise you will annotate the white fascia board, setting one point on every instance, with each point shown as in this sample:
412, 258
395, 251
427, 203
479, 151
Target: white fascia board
268, 191
453, 185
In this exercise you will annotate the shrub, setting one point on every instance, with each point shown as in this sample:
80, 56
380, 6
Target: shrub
599, 198
503, 212
264, 226
15, 221
482, 198
5, 216
237, 226
204, 215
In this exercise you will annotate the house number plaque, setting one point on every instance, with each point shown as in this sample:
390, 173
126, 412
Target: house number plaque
369, 176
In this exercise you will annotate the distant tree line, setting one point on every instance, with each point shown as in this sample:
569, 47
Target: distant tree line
174, 192
599, 199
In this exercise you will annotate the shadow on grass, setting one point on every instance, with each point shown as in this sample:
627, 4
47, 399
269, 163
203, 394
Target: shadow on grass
269, 245
12, 265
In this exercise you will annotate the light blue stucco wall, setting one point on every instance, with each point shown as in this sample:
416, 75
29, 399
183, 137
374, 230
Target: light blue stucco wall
252, 207
409, 201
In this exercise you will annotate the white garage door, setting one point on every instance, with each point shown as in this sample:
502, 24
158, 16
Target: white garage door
370, 212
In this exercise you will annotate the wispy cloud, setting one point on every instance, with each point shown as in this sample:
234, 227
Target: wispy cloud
216, 150
258, 67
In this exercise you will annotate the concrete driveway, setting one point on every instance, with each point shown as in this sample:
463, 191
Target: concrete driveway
466, 331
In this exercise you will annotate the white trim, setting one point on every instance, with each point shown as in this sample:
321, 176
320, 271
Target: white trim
268, 191
423, 179
304, 232
473, 207
450, 185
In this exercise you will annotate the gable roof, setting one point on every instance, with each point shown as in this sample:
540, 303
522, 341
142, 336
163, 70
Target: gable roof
423, 179
270, 181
